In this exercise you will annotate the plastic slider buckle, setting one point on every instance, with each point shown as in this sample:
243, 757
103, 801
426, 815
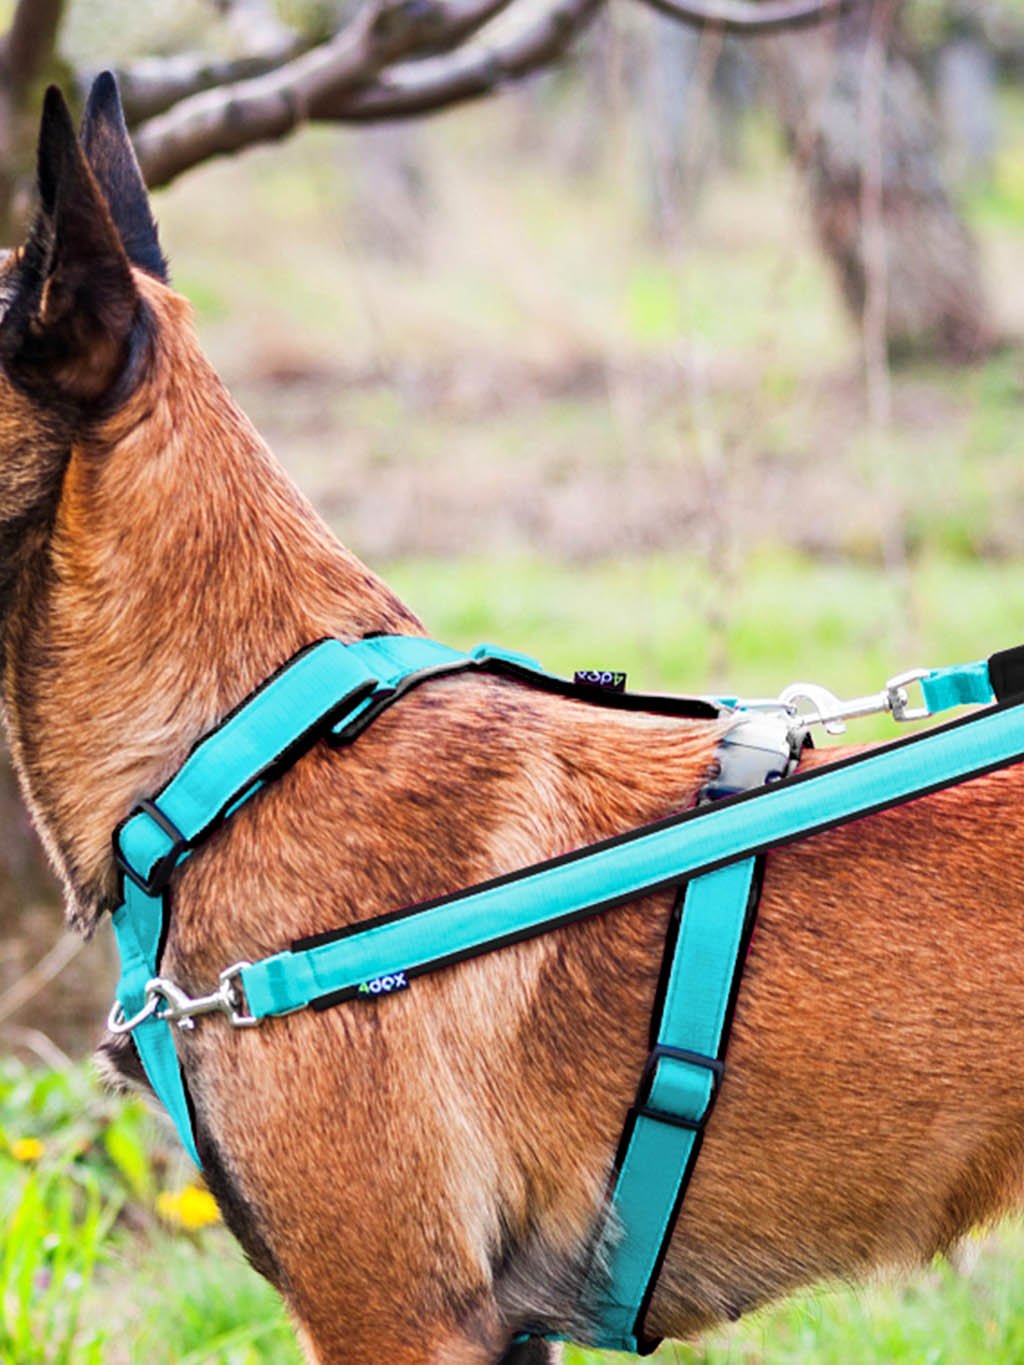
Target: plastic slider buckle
679, 1054
157, 880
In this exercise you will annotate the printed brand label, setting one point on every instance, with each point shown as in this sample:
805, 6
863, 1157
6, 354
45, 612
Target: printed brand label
383, 985
600, 677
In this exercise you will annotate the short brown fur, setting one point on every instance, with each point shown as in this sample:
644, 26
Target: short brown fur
422, 1178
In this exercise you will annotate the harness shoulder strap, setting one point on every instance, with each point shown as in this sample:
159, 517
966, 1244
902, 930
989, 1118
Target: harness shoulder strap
330, 690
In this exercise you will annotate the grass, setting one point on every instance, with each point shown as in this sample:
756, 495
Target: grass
89, 1274
842, 624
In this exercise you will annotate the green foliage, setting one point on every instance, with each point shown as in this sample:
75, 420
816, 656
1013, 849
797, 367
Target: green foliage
86, 1278
55, 1223
59, 1197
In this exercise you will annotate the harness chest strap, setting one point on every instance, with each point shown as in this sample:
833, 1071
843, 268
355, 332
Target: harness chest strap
718, 840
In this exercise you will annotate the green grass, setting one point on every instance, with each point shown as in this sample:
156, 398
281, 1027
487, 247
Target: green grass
88, 1276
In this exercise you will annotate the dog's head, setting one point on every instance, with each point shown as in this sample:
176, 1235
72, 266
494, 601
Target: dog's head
73, 326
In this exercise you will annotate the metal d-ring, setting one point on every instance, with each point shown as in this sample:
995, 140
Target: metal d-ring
118, 1023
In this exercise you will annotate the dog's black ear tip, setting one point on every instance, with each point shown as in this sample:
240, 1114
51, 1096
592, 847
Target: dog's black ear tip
53, 100
105, 96
57, 144
56, 114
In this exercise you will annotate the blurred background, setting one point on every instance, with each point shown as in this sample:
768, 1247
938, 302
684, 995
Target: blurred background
697, 354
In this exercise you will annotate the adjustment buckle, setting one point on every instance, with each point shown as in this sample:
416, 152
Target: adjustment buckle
714, 1065
157, 880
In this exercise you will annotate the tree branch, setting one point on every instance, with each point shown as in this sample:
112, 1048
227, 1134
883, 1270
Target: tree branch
365, 74
752, 16
30, 41
154, 84
269, 106
437, 83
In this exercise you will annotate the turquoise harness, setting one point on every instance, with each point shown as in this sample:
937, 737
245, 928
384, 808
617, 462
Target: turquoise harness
332, 691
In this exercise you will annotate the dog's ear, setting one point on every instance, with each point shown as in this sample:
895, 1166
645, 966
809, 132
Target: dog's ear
72, 302
110, 153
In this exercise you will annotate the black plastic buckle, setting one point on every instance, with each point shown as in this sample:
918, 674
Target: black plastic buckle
157, 880
679, 1054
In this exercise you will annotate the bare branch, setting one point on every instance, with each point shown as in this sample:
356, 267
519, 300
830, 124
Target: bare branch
365, 73
154, 84
752, 16
437, 83
269, 106
30, 41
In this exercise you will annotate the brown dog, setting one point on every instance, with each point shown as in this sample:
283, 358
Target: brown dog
421, 1178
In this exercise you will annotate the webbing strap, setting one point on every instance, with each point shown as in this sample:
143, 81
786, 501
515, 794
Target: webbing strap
265, 734
639, 863
662, 1140
330, 689
966, 685
138, 925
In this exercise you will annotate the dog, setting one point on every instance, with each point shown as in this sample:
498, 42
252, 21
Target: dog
422, 1179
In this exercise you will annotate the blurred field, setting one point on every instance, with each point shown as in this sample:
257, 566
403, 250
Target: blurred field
550, 431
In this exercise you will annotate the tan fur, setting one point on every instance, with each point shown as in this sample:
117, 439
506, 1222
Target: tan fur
419, 1176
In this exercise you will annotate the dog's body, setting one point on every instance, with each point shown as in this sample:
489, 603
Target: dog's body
422, 1177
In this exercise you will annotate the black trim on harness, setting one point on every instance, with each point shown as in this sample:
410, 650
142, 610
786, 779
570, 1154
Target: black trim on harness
684, 708
325, 728
648, 1344
274, 768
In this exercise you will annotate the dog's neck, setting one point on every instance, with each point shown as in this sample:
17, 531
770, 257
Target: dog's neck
183, 568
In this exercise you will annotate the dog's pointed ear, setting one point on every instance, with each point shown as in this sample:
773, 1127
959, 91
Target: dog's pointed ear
110, 153
72, 303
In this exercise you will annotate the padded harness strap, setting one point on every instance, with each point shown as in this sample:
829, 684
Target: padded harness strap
677, 1092
330, 690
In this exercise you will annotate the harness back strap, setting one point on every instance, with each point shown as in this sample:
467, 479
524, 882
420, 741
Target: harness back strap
330, 690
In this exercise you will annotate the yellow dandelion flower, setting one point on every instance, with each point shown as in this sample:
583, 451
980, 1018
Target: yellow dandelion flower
190, 1208
27, 1149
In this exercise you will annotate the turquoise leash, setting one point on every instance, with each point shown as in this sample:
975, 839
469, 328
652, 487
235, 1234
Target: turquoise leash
331, 690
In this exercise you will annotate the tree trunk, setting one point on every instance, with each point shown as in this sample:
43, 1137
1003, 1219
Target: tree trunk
935, 304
